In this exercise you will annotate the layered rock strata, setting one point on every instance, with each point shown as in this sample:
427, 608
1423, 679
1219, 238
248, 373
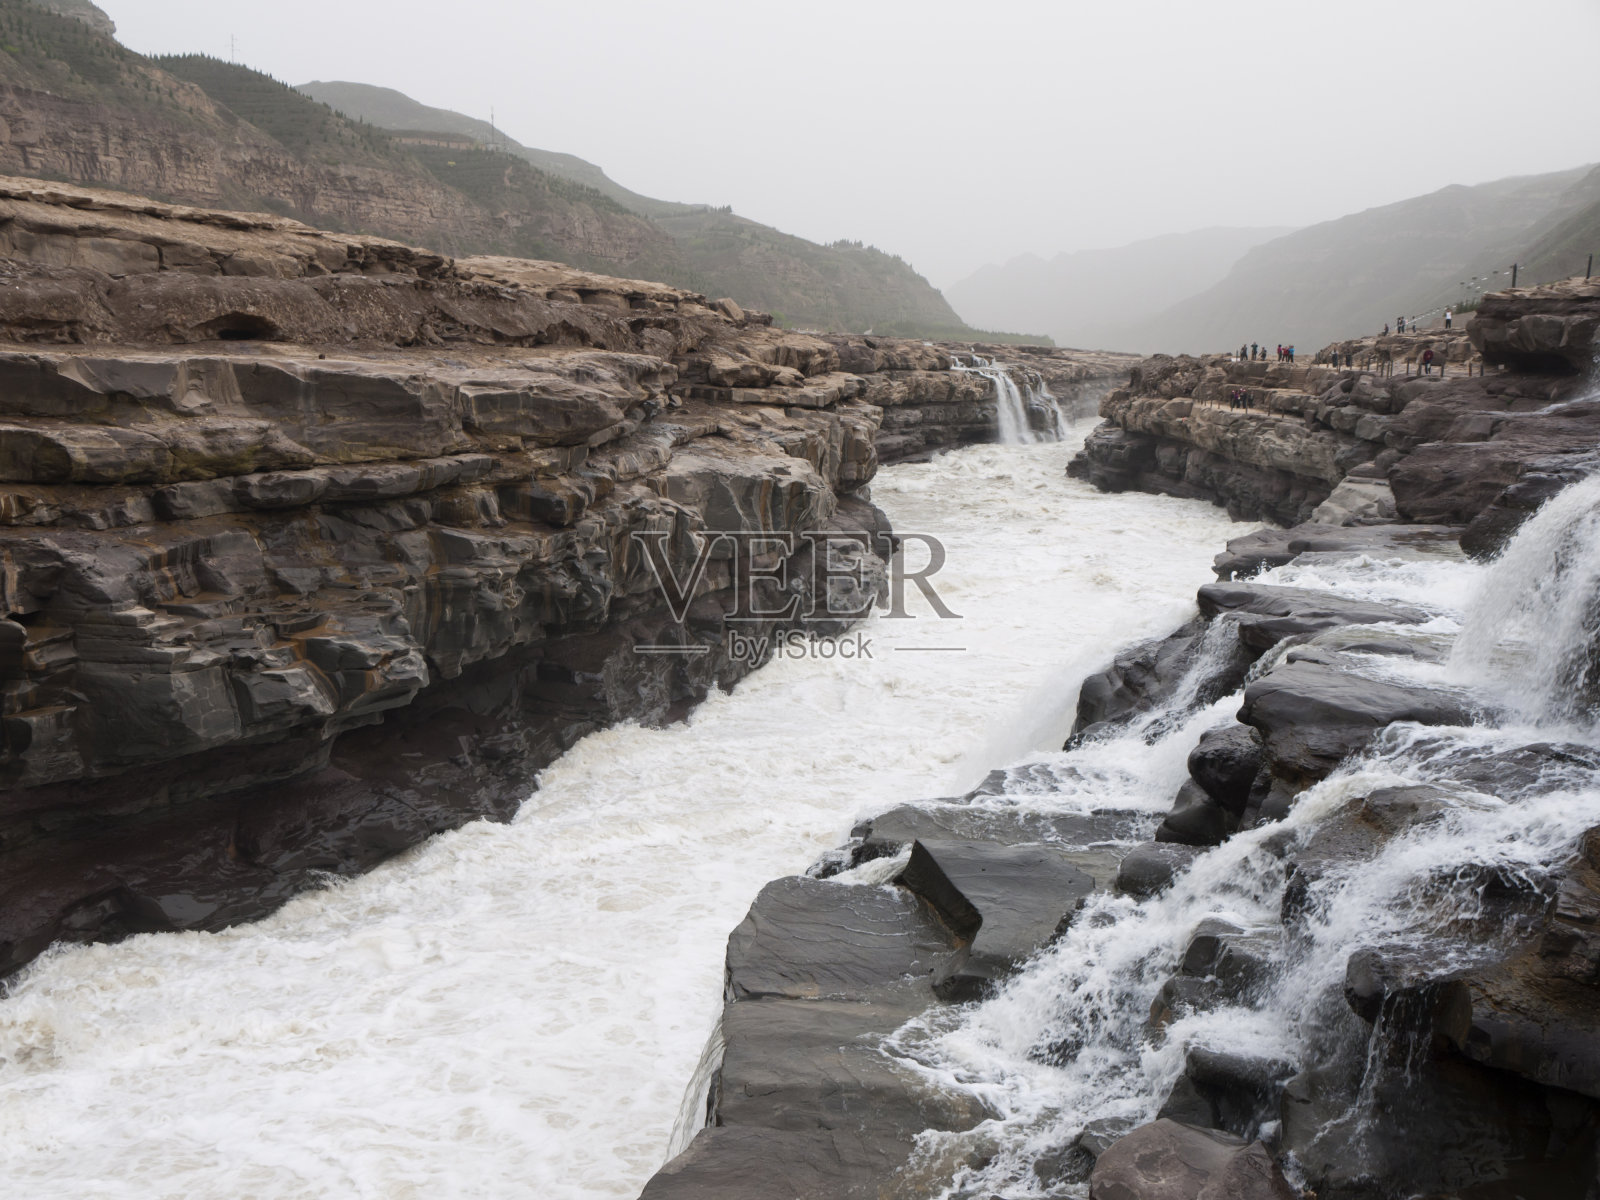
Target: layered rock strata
1360, 447
315, 545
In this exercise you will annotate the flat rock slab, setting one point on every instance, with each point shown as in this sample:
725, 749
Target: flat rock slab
807, 939
1275, 547
1312, 714
807, 1065
1269, 614
1010, 901
1094, 843
739, 1162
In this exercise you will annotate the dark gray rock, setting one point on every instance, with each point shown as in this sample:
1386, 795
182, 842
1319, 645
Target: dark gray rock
1225, 764
1267, 615
1151, 868
1008, 902
1312, 715
808, 939
804, 1065
1235, 1093
1239, 960
740, 1162
1196, 819
1145, 677
1092, 842
1256, 552
1169, 1161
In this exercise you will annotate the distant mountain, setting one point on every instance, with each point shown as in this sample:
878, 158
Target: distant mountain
389, 109
1095, 298
1350, 276
82, 10
1561, 246
77, 106
845, 285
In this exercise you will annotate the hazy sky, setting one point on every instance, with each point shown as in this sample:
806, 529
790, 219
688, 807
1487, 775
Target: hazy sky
956, 134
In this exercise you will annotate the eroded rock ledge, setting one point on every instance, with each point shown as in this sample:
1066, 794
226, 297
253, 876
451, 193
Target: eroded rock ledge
314, 545
1479, 1073
1371, 447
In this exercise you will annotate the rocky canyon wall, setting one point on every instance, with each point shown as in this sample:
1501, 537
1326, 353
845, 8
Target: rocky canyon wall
1375, 442
314, 545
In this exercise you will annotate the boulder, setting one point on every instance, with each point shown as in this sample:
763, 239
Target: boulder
1149, 869
1169, 1161
1145, 677
1235, 1093
1225, 764
1196, 819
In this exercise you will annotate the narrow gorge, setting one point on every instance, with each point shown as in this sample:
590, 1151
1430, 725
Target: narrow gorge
416, 667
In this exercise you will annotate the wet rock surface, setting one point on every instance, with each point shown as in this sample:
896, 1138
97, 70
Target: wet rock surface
1004, 901
1171, 1161
824, 970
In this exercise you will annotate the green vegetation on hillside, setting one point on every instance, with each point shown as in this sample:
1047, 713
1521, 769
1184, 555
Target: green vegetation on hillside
847, 285
61, 54
306, 128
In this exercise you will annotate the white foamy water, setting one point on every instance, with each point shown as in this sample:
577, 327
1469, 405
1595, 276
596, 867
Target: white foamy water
515, 1010
1014, 405
1068, 1042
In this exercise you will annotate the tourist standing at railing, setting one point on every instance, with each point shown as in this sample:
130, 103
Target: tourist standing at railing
1449, 319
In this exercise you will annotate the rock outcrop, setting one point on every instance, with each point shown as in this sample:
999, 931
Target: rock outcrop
1457, 1063
809, 1099
315, 545
1364, 445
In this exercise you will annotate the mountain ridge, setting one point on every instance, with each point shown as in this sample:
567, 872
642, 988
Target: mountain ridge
77, 106
1349, 276
1091, 297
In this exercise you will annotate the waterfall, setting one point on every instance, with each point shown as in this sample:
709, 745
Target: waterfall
1533, 634
1016, 405
1070, 1042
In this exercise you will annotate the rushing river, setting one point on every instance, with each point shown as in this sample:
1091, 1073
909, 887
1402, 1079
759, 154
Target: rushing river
515, 1010
1070, 1041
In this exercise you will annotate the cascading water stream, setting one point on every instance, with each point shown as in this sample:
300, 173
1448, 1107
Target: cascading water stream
1534, 638
1014, 405
1070, 1041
